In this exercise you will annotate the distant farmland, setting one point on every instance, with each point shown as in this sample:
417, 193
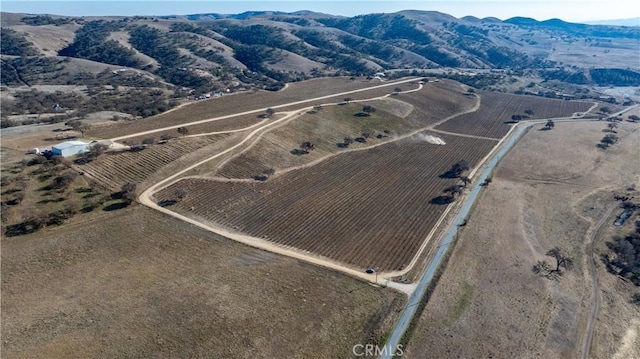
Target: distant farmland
497, 108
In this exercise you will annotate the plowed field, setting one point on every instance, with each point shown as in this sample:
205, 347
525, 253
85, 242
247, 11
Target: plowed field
113, 169
497, 108
363, 208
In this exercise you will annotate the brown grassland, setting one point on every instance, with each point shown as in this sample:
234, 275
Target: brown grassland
136, 283
549, 191
239, 102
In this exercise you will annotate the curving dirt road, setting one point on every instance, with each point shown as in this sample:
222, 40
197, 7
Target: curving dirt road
146, 198
595, 300
261, 110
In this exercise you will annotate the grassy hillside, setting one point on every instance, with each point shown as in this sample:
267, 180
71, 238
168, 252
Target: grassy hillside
189, 56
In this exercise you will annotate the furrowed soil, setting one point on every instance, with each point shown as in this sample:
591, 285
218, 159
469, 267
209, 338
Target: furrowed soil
136, 283
327, 127
493, 116
549, 191
361, 208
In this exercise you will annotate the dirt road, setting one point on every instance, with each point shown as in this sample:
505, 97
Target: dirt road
261, 110
595, 300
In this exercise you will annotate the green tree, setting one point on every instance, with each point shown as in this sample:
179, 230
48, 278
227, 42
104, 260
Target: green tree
549, 125
609, 140
368, 109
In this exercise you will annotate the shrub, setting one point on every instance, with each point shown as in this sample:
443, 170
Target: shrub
149, 140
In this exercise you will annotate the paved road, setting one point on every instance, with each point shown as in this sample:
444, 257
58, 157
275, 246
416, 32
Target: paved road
416, 297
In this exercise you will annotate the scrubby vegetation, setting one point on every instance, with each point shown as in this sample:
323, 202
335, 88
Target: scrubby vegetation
40, 192
91, 43
14, 43
625, 257
137, 102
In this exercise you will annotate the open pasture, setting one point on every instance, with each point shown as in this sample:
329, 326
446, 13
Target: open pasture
138, 284
113, 169
363, 208
231, 104
327, 128
493, 116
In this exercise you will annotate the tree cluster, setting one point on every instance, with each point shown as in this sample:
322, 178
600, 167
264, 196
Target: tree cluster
15, 44
608, 140
456, 169
91, 43
625, 261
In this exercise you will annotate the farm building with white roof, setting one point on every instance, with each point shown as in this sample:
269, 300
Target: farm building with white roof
70, 148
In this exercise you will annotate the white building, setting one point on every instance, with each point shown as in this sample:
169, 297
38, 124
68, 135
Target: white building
70, 148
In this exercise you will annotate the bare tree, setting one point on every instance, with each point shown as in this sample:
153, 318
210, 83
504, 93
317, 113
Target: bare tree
128, 192
453, 190
563, 263
79, 126
612, 126
181, 193
150, 140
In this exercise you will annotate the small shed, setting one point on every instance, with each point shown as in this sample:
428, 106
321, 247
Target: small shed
70, 148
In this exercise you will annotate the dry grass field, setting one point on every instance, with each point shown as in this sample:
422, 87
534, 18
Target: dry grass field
497, 108
140, 284
547, 192
361, 208
239, 102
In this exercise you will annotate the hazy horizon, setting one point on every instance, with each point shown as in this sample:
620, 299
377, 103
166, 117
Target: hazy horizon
502, 9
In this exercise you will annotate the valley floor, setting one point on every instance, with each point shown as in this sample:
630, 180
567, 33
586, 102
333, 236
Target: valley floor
549, 191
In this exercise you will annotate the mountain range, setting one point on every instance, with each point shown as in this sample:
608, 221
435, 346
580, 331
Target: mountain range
203, 52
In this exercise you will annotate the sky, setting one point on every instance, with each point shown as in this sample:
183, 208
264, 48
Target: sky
568, 10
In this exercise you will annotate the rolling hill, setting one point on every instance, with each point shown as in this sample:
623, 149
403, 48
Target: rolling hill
202, 53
